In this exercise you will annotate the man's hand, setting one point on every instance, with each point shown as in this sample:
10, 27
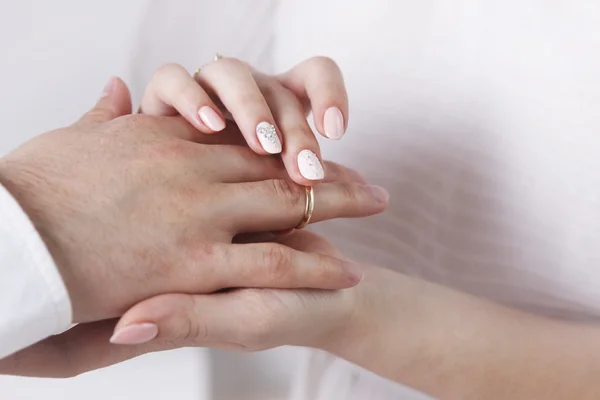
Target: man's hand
241, 319
131, 207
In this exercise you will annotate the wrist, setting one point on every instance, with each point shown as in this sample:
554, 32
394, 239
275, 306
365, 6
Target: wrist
380, 319
27, 188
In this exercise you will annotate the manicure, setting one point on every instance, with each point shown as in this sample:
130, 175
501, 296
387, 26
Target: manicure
211, 119
135, 334
267, 136
309, 165
333, 123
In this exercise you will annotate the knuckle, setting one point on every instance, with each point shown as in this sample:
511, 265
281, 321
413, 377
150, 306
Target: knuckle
276, 262
324, 63
289, 194
167, 69
194, 330
99, 115
232, 63
131, 124
179, 324
348, 191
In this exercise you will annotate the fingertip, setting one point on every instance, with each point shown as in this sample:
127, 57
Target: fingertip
354, 273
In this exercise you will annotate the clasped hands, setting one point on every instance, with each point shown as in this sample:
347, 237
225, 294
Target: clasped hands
164, 219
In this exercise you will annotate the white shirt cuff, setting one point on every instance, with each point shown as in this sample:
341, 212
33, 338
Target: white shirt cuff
34, 302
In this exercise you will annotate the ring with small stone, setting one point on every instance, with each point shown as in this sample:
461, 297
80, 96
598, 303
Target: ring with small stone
309, 207
216, 57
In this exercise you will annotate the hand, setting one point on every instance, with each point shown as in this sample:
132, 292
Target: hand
128, 205
244, 319
257, 103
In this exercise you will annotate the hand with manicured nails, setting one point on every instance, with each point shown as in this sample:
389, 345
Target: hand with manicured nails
269, 110
132, 206
240, 319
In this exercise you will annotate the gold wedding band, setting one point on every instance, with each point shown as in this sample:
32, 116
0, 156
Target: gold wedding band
309, 208
216, 57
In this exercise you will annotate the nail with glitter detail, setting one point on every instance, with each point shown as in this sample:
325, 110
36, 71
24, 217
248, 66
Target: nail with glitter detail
309, 165
267, 136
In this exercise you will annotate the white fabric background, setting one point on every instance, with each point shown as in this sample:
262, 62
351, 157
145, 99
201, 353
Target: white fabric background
480, 117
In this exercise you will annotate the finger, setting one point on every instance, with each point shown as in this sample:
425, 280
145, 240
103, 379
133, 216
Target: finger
339, 173
272, 265
280, 204
185, 320
81, 349
245, 319
233, 83
172, 90
243, 165
114, 102
248, 319
319, 81
301, 154
308, 241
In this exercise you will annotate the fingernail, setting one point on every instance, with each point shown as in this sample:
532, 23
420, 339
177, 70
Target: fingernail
333, 123
355, 273
379, 193
267, 136
211, 119
110, 87
310, 166
135, 334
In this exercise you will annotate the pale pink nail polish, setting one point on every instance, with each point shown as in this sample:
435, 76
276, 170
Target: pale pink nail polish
333, 123
135, 334
211, 119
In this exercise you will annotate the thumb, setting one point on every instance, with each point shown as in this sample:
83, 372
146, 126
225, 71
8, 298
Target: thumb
245, 319
114, 102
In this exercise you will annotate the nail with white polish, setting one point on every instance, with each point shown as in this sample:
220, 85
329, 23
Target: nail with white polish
309, 165
267, 136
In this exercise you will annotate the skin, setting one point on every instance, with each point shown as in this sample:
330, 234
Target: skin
138, 205
440, 341
443, 342
232, 88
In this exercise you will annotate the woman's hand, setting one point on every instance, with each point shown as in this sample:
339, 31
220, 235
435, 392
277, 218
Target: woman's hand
130, 207
246, 319
239, 319
269, 110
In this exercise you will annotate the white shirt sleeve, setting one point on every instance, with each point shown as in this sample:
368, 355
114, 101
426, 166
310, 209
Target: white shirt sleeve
34, 302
